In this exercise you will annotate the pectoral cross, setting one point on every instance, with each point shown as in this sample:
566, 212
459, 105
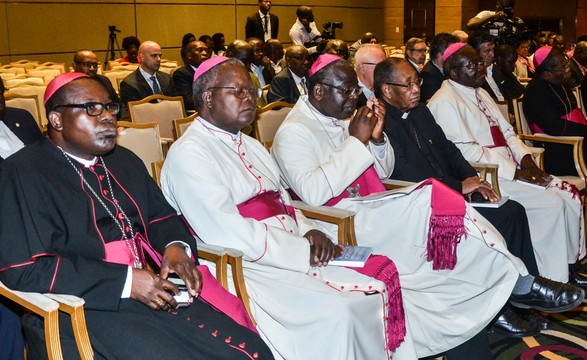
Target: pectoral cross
353, 191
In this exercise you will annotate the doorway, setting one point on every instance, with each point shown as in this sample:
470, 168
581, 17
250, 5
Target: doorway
419, 19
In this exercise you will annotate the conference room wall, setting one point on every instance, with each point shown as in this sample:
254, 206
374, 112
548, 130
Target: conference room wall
52, 30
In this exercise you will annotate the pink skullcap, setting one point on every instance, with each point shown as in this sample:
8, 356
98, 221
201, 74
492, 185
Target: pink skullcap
209, 64
541, 54
452, 48
59, 82
322, 61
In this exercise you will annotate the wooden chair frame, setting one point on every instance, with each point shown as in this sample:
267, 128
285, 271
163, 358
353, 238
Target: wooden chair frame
264, 109
177, 128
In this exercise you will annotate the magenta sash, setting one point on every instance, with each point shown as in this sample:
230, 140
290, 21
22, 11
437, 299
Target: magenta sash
497, 136
264, 206
368, 183
576, 116
212, 292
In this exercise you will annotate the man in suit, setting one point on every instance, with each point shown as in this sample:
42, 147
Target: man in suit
85, 61
367, 57
146, 79
274, 51
261, 65
288, 84
261, 24
432, 74
415, 53
183, 77
578, 64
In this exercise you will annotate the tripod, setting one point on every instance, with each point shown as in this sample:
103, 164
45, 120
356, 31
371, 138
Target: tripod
111, 42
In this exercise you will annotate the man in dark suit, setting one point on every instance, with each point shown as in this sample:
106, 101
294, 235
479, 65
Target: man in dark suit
18, 128
85, 61
432, 75
146, 79
183, 77
286, 85
261, 24
422, 151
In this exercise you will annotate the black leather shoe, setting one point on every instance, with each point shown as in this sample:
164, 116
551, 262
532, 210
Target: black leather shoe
578, 278
511, 325
534, 317
549, 296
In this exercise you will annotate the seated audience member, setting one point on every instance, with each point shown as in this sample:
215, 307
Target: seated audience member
578, 65
218, 42
243, 51
337, 47
327, 160
274, 51
551, 108
461, 36
80, 211
304, 31
187, 38
131, 45
472, 120
262, 24
368, 38
301, 305
288, 84
433, 74
207, 39
85, 61
559, 42
524, 67
503, 74
422, 151
485, 45
146, 79
18, 128
367, 58
261, 65
196, 53
415, 53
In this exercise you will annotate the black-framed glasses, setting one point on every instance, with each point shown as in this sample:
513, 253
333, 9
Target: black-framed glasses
88, 64
474, 65
94, 108
241, 93
411, 84
369, 63
356, 90
425, 51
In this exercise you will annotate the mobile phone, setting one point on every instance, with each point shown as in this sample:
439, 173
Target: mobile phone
184, 298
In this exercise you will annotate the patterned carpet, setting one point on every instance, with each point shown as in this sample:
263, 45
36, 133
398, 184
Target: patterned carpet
566, 340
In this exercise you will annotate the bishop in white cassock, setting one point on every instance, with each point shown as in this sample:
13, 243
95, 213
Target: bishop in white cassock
472, 120
303, 311
318, 159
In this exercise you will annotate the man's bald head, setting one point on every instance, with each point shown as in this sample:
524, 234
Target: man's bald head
366, 58
85, 61
241, 50
150, 55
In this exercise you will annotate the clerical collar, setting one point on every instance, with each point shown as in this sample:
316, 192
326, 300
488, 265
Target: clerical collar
235, 137
84, 162
405, 115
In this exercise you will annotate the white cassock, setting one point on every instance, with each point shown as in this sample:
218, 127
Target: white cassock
206, 174
555, 218
318, 160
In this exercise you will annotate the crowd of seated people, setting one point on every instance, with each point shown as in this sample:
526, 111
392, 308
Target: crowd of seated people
443, 274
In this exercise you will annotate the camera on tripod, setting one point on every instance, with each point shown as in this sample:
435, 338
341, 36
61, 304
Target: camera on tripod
327, 33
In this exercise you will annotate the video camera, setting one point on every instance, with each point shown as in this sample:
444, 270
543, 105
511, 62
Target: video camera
507, 31
328, 34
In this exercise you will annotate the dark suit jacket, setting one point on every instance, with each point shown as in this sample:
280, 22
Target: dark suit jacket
433, 78
23, 125
135, 87
108, 85
254, 26
183, 78
283, 88
576, 77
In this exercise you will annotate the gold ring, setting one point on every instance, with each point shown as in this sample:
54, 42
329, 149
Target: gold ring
533, 177
370, 115
160, 302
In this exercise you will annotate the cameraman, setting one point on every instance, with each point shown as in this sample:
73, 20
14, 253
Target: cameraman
500, 23
304, 31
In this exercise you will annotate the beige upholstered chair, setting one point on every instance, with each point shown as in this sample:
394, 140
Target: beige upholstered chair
47, 72
27, 90
27, 64
115, 76
181, 125
142, 139
47, 306
24, 79
29, 103
126, 66
268, 119
576, 142
160, 109
53, 65
12, 69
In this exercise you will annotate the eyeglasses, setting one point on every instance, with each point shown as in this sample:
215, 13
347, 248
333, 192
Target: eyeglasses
94, 108
241, 93
420, 50
369, 63
357, 90
87, 64
567, 66
411, 84
472, 65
